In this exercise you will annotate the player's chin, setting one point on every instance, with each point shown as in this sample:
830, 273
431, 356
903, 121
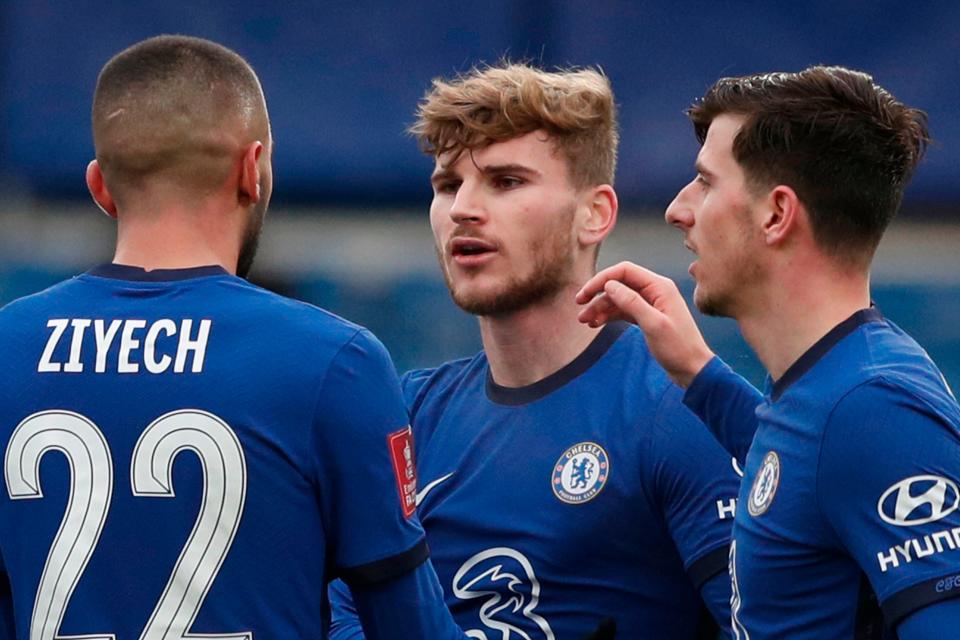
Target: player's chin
710, 303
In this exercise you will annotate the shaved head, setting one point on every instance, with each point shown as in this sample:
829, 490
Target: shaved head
175, 109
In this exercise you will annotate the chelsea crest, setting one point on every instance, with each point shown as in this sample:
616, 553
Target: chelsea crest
765, 485
580, 473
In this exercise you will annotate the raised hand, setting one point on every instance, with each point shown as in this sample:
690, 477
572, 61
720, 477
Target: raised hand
627, 291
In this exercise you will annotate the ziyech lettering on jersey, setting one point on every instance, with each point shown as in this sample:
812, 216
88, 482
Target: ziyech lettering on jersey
852, 473
592, 494
139, 343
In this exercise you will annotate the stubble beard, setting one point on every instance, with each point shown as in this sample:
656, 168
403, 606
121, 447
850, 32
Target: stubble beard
552, 272
741, 276
251, 237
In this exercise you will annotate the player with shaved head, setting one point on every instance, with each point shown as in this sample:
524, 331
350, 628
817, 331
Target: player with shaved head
558, 502
169, 124
186, 454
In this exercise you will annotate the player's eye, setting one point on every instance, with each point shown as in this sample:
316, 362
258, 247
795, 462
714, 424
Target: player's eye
702, 180
447, 186
507, 182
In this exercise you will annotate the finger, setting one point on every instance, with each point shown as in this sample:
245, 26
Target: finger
633, 305
596, 310
633, 275
601, 310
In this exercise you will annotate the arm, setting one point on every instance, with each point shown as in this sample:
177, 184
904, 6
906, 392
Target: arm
344, 620
895, 458
414, 598
366, 485
410, 606
697, 486
727, 404
716, 595
930, 622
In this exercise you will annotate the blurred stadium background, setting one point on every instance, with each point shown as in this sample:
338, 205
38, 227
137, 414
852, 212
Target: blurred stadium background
348, 227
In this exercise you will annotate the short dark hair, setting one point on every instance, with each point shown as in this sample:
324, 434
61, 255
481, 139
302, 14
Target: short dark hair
842, 142
158, 105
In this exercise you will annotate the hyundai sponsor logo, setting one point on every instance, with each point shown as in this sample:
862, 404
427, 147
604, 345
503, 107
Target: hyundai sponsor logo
918, 500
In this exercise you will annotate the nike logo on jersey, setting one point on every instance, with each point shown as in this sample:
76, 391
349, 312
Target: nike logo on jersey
427, 489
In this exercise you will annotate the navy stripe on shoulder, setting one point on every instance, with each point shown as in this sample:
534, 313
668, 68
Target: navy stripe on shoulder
386, 568
711, 564
514, 396
139, 274
903, 603
820, 348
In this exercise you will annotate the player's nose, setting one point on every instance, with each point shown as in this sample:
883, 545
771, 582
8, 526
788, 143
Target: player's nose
680, 212
468, 205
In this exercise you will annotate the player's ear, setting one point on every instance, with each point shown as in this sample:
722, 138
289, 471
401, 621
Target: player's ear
598, 214
781, 214
249, 187
98, 189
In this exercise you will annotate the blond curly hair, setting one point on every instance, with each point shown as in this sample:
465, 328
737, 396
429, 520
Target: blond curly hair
497, 103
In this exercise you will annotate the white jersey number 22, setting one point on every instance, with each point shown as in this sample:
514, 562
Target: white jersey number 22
91, 485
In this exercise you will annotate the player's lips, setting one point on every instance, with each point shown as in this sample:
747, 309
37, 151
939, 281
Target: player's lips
694, 252
471, 252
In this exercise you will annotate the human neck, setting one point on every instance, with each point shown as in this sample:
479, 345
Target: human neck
173, 237
799, 309
529, 345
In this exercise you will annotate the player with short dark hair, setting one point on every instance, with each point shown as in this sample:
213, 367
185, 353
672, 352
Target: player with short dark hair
186, 454
850, 495
557, 501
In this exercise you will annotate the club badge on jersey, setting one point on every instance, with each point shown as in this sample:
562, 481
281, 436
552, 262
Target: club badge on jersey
581, 473
765, 485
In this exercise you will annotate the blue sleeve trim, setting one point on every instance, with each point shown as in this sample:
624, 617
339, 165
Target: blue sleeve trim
386, 568
903, 603
711, 564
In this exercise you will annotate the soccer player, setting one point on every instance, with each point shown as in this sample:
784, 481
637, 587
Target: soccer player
557, 500
186, 454
853, 453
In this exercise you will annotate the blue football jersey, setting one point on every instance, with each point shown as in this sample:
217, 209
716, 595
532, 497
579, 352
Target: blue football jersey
186, 454
591, 494
850, 495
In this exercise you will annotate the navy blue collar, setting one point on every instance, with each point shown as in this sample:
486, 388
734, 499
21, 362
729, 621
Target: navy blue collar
139, 274
820, 348
514, 396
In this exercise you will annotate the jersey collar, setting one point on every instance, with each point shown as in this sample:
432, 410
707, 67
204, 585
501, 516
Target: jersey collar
139, 274
522, 395
820, 348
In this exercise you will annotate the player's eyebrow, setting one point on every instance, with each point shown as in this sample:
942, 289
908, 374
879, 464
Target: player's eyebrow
443, 173
499, 169
702, 170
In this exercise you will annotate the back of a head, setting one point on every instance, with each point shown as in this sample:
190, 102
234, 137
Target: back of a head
843, 143
498, 103
174, 108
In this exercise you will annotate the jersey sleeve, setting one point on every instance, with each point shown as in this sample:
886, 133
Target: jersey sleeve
696, 486
930, 622
364, 461
408, 606
727, 404
887, 484
412, 384
344, 620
